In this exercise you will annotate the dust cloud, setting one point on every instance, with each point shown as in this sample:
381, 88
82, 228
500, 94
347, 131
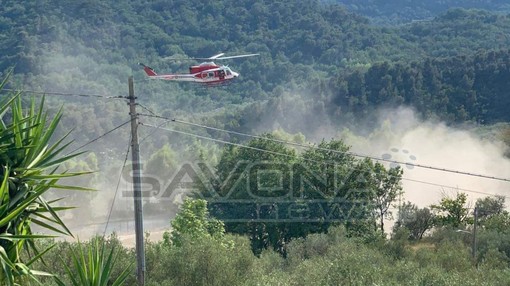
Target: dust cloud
402, 136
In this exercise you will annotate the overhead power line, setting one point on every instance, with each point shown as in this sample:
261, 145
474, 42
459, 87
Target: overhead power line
99, 137
147, 109
62, 93
309, 160
449, 187
117, 187
227, 142
330, 150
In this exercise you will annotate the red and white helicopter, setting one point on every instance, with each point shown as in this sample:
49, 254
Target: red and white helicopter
207, 72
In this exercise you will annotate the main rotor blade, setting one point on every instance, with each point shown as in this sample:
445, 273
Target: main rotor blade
216, 56
178, 59
210, 58
235, 57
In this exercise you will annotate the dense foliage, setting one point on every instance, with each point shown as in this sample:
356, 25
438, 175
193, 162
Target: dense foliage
90, 46
326, 58
320, 65
455, 89
277, 196
443, 257
29, 160
402, 11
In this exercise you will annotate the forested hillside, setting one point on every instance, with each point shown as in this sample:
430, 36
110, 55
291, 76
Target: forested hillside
93, 46
457, 89
102, 43
319, 65
434, 92
402, 11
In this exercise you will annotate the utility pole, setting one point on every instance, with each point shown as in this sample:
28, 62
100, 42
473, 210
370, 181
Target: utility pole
137, 187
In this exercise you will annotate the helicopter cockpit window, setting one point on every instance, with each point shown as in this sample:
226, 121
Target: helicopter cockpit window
229, 72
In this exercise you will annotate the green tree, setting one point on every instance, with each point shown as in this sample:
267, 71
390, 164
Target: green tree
363, 186
387, 188
492, 214
162, 163
497, 222
490, 206
259, 180
324, 180
452, 211
417, 221
279, 195
193, 221
93, 266
29, 164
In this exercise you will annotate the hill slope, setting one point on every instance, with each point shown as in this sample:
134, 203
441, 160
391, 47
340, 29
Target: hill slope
404, 11
93, 46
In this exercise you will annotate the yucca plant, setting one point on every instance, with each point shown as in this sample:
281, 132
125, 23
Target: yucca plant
29, 164
93, 266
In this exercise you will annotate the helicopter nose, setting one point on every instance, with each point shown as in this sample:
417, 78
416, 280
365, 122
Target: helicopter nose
235, 74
